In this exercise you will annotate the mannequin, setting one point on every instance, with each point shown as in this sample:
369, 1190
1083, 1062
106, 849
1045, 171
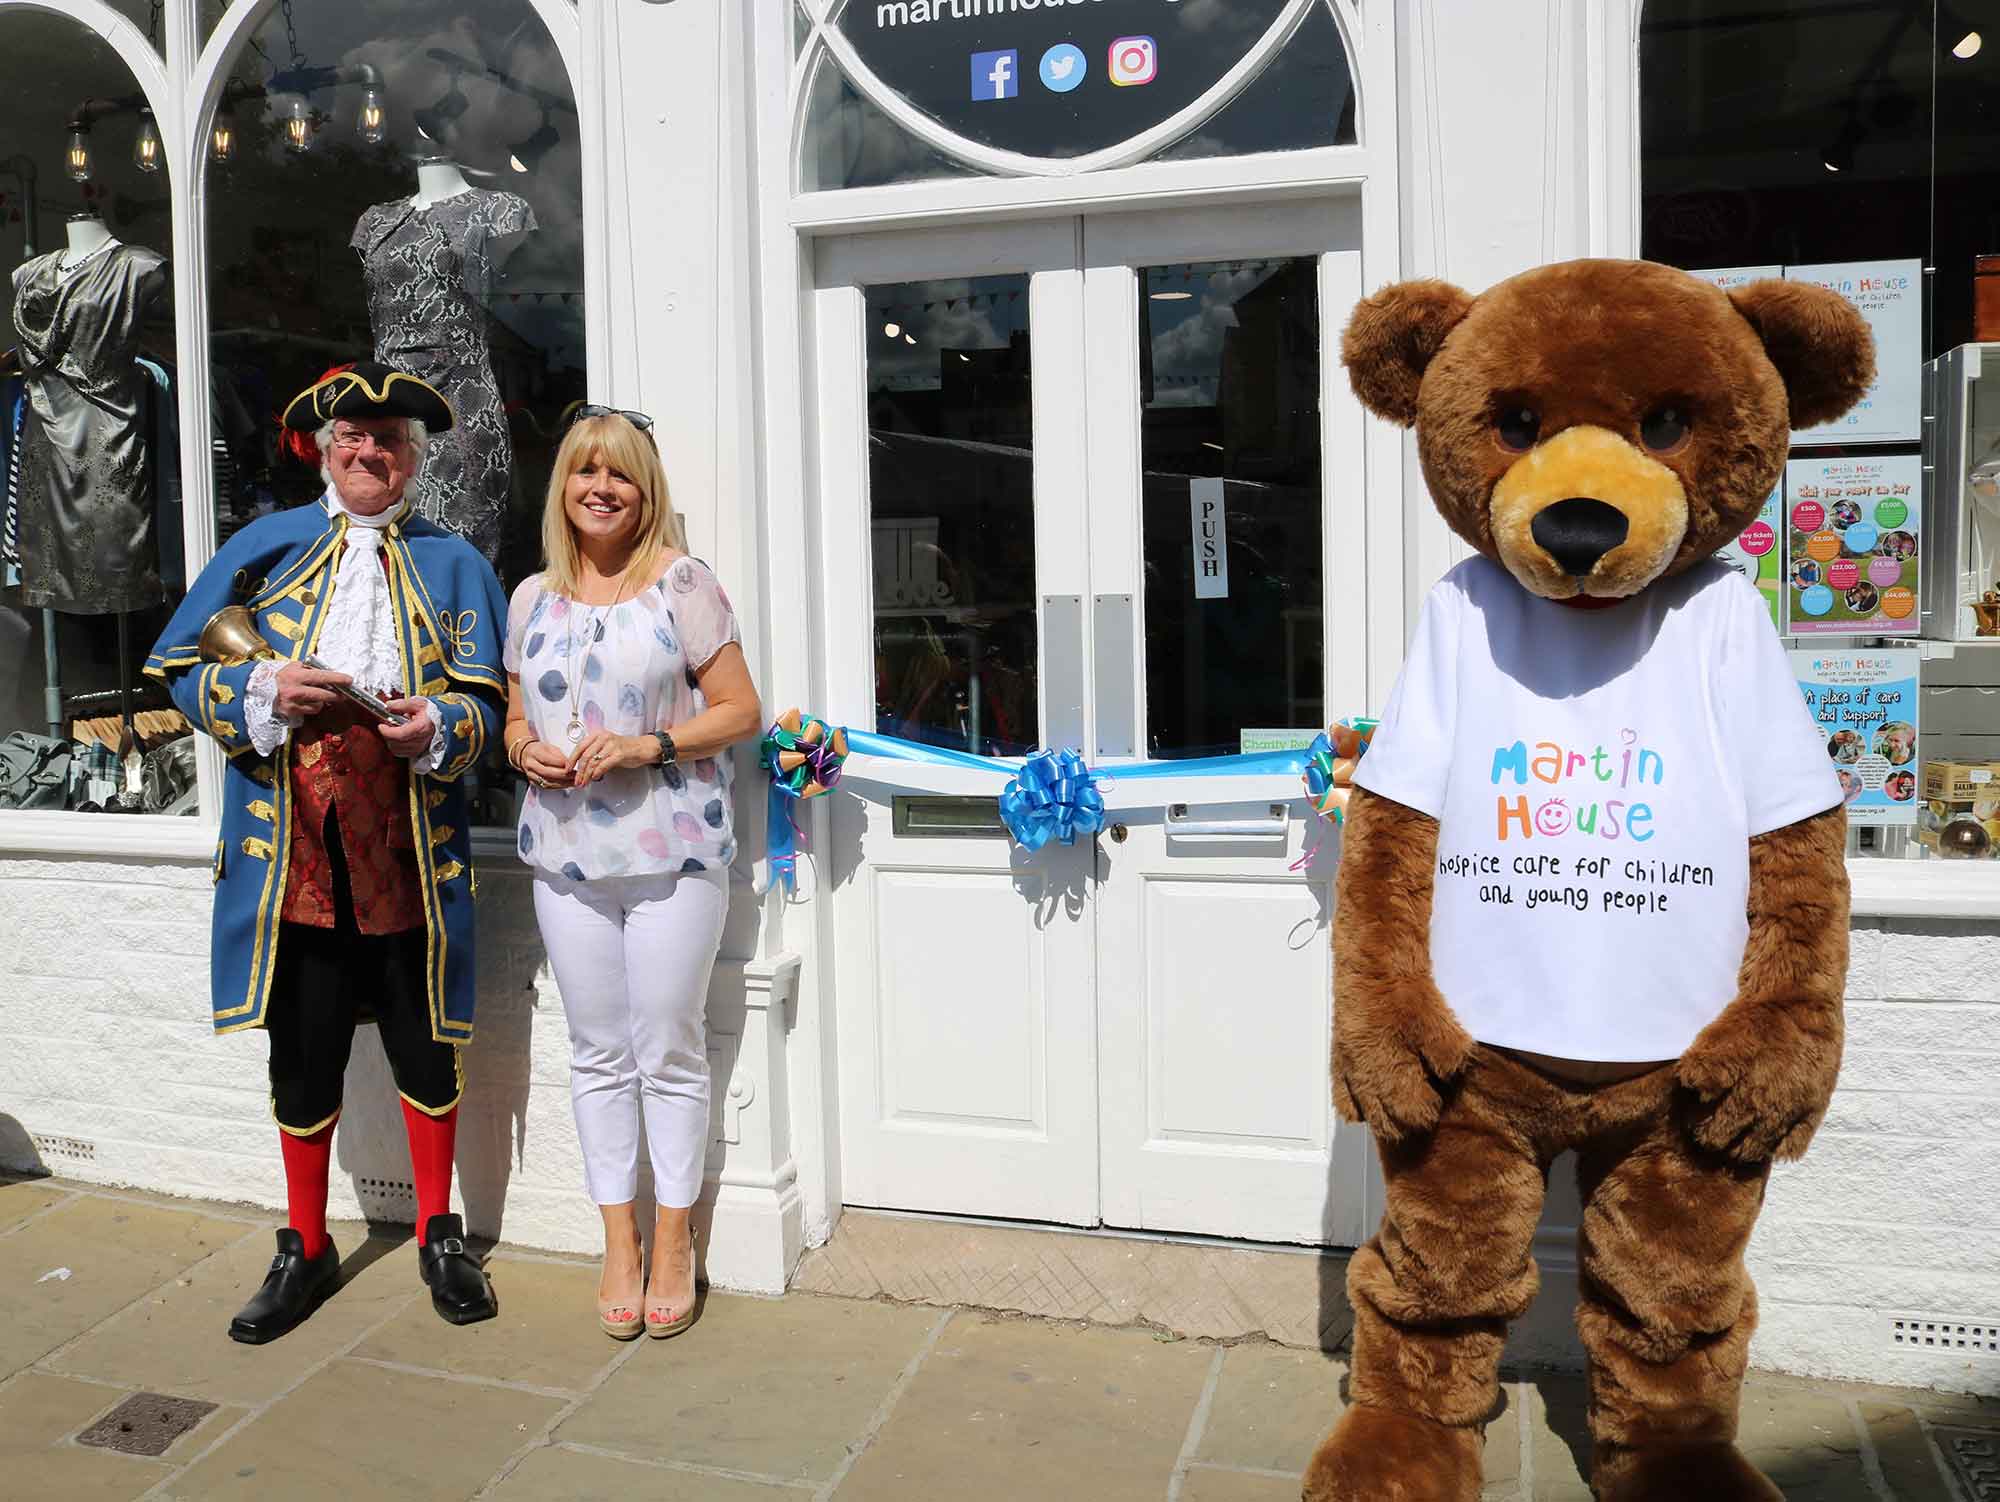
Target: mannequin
438, 178
429, 262
87, 236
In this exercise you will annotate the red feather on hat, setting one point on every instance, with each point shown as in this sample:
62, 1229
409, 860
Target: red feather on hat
303, 446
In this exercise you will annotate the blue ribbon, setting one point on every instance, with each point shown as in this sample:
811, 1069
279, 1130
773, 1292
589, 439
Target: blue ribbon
1053, 796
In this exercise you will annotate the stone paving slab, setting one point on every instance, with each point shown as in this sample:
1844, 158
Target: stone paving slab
38, 1413
173, 1339
559, 1473
73, 1267
809, 1396
546, 1333
1009, 1408
775, 1388
357, 1430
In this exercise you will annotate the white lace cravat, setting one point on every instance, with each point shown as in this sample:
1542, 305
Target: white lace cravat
357, 638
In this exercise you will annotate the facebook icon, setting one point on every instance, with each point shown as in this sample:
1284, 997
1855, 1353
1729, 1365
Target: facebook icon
996, 75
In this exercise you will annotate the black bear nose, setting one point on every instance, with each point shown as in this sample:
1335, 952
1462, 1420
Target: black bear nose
1579, 531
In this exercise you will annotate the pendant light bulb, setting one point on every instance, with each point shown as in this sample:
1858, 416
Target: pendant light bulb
77, 158
297, 124
146, 147
222, 138
371, 123
1967, 46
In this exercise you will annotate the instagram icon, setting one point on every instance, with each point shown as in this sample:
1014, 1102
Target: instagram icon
1134, 60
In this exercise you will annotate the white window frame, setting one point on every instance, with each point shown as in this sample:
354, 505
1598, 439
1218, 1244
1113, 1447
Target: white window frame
182, 86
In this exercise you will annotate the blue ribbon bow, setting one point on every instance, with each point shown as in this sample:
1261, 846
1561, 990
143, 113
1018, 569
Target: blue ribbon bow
1054, 795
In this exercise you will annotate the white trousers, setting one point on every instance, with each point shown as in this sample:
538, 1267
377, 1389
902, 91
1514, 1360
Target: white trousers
632, 957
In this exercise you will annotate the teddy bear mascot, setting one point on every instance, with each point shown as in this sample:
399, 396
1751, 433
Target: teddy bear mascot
1592, 894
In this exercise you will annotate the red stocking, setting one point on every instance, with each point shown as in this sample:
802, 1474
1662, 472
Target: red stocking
431, 1139
306, 1162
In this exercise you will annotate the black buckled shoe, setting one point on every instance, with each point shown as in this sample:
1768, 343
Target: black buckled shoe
459, 1290
293, 1288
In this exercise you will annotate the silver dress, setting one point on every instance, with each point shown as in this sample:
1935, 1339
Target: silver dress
86, 486
429, 273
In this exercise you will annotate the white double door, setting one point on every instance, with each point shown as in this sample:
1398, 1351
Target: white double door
1085, 483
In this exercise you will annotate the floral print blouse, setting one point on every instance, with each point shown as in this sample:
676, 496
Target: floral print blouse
630, 669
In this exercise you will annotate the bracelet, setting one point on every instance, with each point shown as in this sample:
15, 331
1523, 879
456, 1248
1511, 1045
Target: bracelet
520, 744
668, 754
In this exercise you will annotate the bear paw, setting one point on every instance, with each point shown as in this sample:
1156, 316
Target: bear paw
1714, 1473
1383, 1455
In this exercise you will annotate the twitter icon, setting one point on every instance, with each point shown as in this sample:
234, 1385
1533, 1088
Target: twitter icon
1062, 68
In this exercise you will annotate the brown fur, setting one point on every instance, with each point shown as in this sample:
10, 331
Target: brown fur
1604, 343
1672, 1159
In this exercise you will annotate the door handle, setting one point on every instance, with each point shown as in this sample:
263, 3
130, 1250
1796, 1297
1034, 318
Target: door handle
1276, 825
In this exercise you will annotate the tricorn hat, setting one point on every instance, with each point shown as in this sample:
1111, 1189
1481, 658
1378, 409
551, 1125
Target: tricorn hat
368, 389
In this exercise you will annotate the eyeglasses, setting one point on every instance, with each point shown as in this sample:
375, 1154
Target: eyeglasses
638, 420
350, 440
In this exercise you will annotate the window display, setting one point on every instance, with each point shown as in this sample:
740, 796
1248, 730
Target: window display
1854, 148
401, 183
91, 533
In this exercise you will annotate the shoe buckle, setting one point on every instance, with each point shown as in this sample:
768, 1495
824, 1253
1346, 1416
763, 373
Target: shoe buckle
453, 1246
278, 1263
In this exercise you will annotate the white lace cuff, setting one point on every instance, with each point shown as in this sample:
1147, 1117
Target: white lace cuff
268, 729
433, 756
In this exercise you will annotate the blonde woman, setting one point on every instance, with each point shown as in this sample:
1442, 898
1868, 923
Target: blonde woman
626, 687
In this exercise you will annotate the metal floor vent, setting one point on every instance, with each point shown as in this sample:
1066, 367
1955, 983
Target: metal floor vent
1926, 1332
70, 1149
147, 1423
1973, 1456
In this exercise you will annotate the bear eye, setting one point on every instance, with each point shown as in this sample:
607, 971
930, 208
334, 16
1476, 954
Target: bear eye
1518, 428
1663, 429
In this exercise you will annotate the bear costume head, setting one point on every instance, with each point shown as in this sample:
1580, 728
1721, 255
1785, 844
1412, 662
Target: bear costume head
1655, 985
1597, 425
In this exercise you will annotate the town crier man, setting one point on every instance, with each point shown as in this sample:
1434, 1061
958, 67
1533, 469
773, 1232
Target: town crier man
344, 874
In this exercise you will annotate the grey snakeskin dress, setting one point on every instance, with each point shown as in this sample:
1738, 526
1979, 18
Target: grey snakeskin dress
86, 497
429, 273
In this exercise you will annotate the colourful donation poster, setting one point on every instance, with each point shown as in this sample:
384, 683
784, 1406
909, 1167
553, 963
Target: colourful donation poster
1890, 295
1851, 546
1755, 555
1865, 704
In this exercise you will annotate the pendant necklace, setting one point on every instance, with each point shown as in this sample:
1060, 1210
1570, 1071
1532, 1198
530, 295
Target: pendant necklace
573, 732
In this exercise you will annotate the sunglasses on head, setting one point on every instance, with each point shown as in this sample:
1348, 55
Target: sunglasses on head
638, 420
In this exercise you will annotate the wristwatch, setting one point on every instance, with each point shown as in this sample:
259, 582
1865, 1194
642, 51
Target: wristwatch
667, 752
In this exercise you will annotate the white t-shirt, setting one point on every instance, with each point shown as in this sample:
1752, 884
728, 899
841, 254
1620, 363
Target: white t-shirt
1596, 776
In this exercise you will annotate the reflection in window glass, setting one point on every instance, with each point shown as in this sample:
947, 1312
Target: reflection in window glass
91, 532
402, 183
952, 513
1774, 137
1303, 98
1230, 449
850, 143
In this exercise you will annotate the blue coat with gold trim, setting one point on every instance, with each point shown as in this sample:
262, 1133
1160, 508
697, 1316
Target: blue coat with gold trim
450, 616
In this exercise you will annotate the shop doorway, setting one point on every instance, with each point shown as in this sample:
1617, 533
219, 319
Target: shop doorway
1083, 483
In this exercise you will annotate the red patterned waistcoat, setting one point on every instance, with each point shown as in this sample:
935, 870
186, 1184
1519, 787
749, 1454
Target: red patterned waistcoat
341, 764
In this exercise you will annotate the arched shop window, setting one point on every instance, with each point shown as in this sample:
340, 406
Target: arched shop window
92, 543
907, 90
1856, 146
400, 182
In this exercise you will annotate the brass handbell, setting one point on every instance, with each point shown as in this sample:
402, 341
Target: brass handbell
231, 637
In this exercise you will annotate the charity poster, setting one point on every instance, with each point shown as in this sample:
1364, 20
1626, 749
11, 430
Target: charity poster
1756, 555
1729, 278
1851, 546
1890, 296
1865, 704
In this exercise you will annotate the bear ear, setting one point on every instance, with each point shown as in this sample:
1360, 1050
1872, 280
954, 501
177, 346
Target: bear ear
1820, 343
1391, 340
